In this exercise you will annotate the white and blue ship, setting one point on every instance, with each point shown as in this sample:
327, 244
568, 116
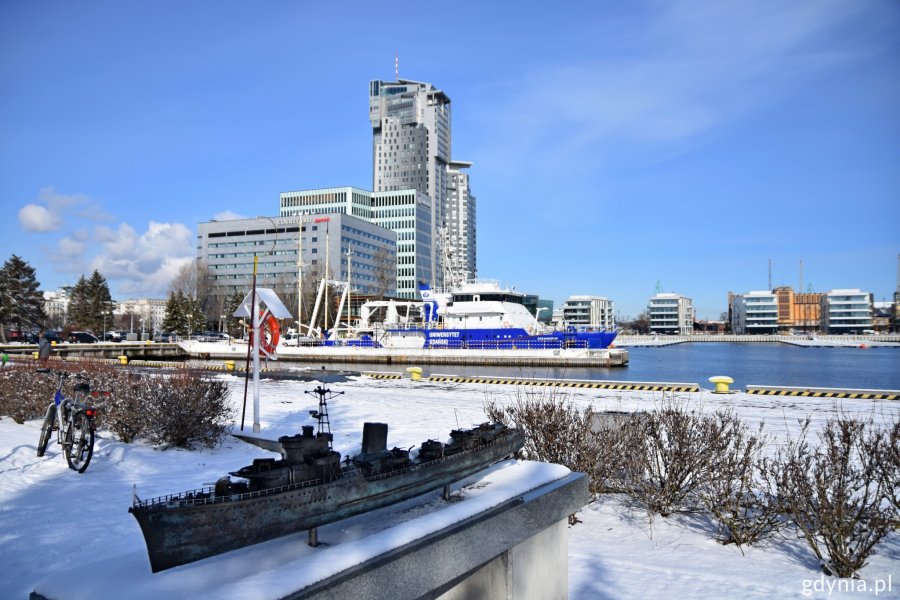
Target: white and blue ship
480, 315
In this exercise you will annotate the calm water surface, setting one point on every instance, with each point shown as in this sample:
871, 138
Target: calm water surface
747, 364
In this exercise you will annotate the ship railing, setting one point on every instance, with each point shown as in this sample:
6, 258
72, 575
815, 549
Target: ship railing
207, 495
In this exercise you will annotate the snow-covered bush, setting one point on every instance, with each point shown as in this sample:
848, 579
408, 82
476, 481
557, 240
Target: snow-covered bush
24, 394
171, 409
836, 493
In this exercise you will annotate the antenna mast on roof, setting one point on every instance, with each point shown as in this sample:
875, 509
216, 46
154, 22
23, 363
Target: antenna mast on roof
396, 66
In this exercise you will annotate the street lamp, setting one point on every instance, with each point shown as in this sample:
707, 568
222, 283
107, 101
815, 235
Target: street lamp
142, 329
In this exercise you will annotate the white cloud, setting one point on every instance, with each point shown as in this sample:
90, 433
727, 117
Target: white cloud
228, 215
143, 264
51, 208
34, 217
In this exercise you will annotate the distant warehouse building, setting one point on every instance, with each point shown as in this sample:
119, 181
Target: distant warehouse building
227, 249
671, 314
846, 311
754, 312
593, 312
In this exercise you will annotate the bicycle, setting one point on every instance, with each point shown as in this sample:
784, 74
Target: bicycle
74, 420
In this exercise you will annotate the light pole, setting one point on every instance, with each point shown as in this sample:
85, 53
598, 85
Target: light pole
142, 329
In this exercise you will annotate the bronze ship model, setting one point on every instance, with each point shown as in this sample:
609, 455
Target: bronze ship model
310, 486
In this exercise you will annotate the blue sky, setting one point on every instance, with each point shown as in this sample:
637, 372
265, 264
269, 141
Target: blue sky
615, 144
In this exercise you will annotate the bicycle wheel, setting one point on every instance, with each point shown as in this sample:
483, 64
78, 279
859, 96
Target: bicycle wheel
47, 429
80, 442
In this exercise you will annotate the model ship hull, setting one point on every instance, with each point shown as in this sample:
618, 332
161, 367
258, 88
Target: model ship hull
192, 526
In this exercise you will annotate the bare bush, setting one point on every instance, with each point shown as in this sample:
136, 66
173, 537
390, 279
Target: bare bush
555, 430
835, 493
888, 462
671, 452
187, 407
730, 489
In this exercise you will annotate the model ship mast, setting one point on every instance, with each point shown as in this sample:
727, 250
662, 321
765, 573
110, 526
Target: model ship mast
321, 415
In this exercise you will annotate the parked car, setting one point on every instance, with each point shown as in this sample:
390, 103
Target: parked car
165, 337
82, 337
112, 336
213, 336
53, 336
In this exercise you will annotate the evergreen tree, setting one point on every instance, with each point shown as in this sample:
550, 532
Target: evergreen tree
232, 324
175, 320
21, 304
91, 305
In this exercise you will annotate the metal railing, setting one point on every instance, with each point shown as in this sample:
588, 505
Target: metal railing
207, 495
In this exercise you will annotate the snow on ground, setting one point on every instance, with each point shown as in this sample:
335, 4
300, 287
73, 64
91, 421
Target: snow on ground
70, 535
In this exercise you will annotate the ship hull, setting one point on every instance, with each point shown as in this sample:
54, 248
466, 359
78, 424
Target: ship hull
185, 529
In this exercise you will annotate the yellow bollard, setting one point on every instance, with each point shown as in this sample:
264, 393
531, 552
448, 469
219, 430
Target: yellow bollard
229, 365
123, 360
35, 354
415, 373
722, 382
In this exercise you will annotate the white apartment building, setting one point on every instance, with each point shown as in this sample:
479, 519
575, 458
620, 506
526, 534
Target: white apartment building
671, 314
754, 312
56, 306
846, 311
144, 315
593, 312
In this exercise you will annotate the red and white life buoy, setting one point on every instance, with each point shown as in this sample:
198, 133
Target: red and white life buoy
270, 333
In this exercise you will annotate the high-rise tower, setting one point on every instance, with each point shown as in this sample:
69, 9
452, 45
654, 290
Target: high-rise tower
411, 150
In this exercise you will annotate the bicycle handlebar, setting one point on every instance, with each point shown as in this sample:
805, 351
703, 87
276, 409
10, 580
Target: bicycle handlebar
62, 374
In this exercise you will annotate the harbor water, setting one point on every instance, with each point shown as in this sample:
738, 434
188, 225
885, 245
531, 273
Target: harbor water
747, 364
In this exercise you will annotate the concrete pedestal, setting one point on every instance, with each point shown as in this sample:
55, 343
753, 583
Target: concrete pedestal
516, 550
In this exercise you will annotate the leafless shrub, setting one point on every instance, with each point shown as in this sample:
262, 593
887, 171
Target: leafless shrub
888, 462
187, 407
671, 452
555, 430
730, 489
835, 493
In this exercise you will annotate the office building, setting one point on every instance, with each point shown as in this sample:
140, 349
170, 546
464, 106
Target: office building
671, 314
227, 250
406, 213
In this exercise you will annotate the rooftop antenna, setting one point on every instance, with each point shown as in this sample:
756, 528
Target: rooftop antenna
770, 274
396, 66
659, 287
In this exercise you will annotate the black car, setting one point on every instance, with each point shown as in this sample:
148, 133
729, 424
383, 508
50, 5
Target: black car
82, 337
53, 336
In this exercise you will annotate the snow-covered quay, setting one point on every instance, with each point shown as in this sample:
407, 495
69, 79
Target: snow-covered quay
70, 536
